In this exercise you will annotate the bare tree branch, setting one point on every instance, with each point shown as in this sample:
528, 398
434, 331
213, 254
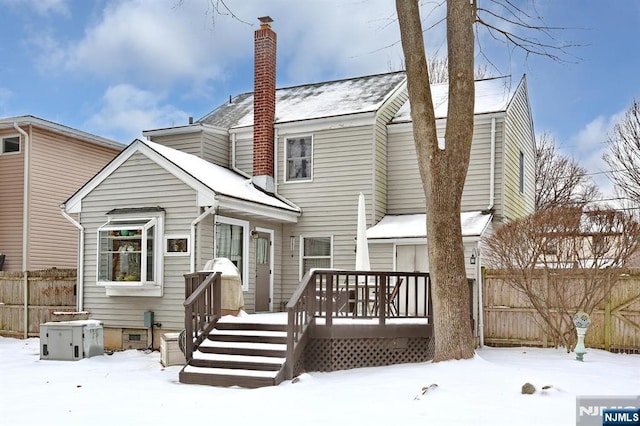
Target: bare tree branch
623, 155
560, 180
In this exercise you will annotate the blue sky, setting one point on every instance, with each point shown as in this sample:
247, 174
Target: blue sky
115, 68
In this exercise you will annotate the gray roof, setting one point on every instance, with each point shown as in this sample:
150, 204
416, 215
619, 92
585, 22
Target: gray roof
310, 101
25, 120
491, 95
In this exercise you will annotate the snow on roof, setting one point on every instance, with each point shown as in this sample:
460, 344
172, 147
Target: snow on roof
415, 226
492, 95
219, 179
327, 99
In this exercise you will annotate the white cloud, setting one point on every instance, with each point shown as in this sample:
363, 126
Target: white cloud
153, 43
126, 111
589, 144
158, 42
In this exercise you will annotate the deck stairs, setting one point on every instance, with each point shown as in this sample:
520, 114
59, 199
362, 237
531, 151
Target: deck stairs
239, 353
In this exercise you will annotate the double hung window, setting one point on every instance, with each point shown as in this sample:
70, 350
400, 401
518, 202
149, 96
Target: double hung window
298, 158
316, 253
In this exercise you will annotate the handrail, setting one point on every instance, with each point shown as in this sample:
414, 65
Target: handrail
331, 294
202, 308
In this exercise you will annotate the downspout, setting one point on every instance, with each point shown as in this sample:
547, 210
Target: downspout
25, 226
197, 220
480, 279
492, 165
275, 160
492, 188
79, 278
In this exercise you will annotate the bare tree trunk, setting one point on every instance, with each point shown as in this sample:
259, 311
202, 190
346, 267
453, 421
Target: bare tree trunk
443, 171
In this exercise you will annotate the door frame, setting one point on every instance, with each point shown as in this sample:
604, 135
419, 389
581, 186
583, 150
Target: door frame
271, 233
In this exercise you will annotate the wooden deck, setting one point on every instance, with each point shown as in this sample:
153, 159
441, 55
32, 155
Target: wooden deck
333, 322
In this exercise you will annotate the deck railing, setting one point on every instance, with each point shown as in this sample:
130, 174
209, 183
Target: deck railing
333, 294
202, 308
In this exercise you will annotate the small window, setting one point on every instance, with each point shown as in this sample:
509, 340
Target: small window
298, 158
127, 252
176, 245
316, 253
521, 185
10, 144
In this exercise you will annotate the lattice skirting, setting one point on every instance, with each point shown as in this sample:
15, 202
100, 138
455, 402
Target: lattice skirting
343, 354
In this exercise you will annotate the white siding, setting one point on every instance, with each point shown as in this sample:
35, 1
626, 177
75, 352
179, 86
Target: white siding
519, 138
342, 167
244, 154
190, 143
216, 148
139, 183
405, 191
383, 117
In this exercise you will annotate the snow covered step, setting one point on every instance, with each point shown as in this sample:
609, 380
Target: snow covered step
244, 348
239, 358
230, 372
238, 362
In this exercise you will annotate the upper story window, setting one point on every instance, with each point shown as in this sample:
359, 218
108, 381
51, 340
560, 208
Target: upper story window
316, 253
10, 144
130, 251
299, 159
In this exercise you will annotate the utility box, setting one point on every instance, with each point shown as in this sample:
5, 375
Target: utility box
71, 340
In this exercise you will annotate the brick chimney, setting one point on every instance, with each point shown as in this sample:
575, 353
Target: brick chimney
264, 105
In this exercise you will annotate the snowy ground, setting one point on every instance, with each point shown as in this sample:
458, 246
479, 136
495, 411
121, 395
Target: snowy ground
132, 388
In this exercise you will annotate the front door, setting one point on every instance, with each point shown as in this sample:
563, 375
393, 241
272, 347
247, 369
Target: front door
263, 272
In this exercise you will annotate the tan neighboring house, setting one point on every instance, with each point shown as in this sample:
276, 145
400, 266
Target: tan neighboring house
41, 164
272, 182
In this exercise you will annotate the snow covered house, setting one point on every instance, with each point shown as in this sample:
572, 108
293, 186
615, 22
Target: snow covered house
42, 163
271, 181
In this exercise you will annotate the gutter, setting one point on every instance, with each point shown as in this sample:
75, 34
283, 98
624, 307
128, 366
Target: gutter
25, 226
79, 278
207, 212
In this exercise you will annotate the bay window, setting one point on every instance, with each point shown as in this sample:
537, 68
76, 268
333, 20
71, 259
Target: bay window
130, 252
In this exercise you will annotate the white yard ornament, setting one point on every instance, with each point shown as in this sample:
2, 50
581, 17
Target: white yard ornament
582, 321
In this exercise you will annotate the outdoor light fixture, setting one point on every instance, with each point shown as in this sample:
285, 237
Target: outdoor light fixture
254, 234
472, 260
292, 243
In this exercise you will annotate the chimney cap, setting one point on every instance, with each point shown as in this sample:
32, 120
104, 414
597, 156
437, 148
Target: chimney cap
265, 21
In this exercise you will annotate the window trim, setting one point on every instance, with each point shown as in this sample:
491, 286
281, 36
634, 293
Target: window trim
245, 244
302, 257
3, 138
286, 160
132, 288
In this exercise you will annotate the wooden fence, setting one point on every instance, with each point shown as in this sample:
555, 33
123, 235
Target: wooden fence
510, 319
46, 292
